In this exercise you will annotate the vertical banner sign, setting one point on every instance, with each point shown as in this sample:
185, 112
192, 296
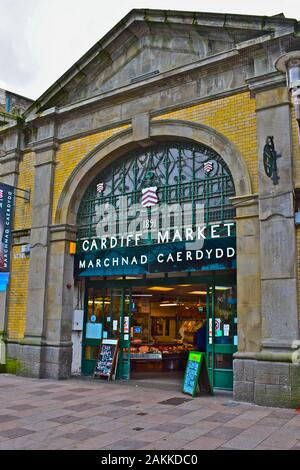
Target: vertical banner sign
6, 213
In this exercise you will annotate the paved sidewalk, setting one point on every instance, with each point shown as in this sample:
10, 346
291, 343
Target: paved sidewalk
91, 414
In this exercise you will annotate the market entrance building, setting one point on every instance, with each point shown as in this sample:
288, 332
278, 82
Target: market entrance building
156, 238
154, 210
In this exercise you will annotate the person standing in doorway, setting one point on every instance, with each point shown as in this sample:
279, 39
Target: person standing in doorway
200, 338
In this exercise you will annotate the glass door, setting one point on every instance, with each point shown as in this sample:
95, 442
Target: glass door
107, 315
222, 337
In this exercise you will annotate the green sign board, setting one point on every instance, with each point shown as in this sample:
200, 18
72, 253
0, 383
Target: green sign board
196, 375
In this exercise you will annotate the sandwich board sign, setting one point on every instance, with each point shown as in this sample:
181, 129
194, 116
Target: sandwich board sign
196, 375
107, 359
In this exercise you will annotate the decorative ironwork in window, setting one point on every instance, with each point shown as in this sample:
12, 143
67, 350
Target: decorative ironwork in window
182, 172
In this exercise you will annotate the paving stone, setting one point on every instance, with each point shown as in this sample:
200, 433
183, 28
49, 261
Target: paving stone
284, 414
175, 401
68, 397
222, 417
196, 430
127, 444
226, 432
64, 419
204, 443
55, 444
50, 386
15, 432
21, 443
166, 444
23, 407
169, 427
250, 438
124, 403
6, 418
150, 435
81, 435
176, 412
272, 421
81, 407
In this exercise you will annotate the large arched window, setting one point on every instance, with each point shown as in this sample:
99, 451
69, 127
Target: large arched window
182, 172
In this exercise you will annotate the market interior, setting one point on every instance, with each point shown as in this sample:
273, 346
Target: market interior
164, 322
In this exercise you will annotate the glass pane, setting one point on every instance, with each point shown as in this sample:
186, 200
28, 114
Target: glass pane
225, 314
223, 361
88, 353
94, 325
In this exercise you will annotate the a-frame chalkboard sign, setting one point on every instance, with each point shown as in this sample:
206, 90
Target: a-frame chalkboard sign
106, 362
196, 375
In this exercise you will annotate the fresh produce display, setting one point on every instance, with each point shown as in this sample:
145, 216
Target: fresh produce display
160, 348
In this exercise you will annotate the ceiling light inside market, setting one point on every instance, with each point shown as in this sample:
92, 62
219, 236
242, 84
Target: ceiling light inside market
161, 289
198, 292
170, 305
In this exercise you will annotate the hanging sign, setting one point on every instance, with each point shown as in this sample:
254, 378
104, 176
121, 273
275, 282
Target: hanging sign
6, 213
196, 375
270, 156
106, 362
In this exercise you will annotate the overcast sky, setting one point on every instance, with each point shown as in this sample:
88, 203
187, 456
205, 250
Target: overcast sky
41, 39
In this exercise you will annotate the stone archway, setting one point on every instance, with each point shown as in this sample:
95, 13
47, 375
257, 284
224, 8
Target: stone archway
61, 263
120, 143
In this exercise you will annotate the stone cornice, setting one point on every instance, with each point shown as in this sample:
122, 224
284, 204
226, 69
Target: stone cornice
45, 145
265, 26
11, 155
263, 82
63, 232
246, 200
142, 86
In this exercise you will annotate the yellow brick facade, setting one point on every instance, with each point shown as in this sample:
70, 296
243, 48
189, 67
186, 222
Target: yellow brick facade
234, 117
17, 294
70, 154
18, 286
296, 149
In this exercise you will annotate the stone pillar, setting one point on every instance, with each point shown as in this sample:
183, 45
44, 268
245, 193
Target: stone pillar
248, 290
60, 298
32, 357
9, 170
278, 234
275, 379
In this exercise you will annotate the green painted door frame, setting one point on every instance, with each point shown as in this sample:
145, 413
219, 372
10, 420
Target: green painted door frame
121, 310
220, 346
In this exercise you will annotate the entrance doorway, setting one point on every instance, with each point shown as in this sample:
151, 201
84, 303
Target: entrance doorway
159, 321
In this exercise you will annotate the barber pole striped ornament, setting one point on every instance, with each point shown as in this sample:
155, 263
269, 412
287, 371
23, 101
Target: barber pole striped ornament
1, 194
149, 197
208, 167
100, 188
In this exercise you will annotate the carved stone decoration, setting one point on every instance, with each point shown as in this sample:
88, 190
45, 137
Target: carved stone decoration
270, 160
